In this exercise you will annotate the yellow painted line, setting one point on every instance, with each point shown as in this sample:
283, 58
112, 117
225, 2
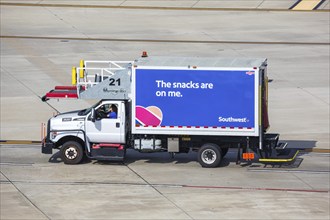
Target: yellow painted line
306, 5
317, 150
19, 142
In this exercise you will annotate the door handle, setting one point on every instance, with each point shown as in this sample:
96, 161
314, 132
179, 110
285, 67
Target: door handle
117, 125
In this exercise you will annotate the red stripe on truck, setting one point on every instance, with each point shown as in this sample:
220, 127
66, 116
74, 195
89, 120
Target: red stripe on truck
61, 95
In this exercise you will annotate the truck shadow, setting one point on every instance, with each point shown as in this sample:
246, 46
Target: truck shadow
133, 156
56, 158
163, 157
230, 159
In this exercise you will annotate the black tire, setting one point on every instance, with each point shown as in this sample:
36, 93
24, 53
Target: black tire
224, 151
209, 155
72, 152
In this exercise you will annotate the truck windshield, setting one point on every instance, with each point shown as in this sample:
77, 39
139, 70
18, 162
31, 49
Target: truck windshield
88, 110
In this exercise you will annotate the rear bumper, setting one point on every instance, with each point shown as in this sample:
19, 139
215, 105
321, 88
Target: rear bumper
47, 147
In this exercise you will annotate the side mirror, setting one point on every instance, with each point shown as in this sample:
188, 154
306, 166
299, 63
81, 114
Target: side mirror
93, 115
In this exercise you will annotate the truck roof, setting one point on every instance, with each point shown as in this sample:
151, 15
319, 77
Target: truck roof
201, 62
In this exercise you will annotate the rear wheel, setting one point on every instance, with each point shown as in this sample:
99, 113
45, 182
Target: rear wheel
209, 155
72, 152
224, 151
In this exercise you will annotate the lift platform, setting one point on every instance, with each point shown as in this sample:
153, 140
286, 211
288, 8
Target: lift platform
96, 80
277, 153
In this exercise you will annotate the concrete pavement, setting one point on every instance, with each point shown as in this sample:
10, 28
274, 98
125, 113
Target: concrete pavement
299, 92
152, 186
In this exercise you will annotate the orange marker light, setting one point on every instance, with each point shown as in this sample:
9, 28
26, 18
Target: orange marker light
248, 156
144, 54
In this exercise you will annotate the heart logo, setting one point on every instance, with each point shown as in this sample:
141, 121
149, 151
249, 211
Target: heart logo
151, 115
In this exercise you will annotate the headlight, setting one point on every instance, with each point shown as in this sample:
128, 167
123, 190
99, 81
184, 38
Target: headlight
53, 134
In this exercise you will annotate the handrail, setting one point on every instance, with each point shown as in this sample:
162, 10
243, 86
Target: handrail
95, 72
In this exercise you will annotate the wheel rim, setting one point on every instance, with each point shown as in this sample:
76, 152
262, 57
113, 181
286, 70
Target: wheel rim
209, 156
71, 153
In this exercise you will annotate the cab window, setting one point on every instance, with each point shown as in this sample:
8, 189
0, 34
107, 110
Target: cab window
107, 111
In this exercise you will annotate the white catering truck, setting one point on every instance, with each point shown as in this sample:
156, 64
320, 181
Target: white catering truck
167, 104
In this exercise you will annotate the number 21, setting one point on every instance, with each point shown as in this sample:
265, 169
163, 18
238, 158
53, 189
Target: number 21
113, 82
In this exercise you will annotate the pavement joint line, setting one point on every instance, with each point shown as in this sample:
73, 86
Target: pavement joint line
166, 185
258, 188
29, 142
156, 7
164, 41
27, 198
160, 193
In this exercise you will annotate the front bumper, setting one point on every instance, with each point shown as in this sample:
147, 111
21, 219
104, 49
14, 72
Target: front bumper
47, 146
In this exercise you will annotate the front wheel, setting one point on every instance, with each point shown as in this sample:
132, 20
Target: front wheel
209, 155
72, 152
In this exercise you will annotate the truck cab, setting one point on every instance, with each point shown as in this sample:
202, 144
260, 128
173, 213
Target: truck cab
101, 128
88, 131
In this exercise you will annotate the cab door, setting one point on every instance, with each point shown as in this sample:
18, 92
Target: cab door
105, 129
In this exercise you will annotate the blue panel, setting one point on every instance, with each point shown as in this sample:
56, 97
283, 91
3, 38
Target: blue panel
218, 98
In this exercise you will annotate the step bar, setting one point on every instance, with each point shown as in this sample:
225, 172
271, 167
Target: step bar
282, 156
277, 152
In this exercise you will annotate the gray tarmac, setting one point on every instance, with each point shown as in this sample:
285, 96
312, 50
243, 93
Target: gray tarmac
154, 186
39, 46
